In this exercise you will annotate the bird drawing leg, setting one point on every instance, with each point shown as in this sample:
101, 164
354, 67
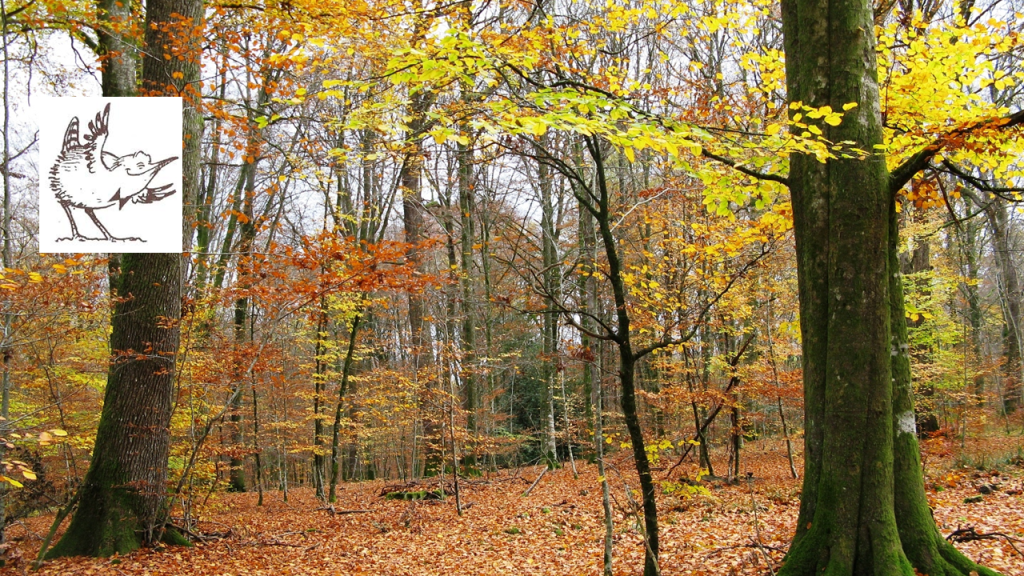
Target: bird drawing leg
75, 235
107, 235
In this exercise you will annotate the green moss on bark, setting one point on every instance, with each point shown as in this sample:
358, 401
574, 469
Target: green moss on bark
924, 546
107, 525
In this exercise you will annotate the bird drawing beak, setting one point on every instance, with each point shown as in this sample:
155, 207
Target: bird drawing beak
158, 165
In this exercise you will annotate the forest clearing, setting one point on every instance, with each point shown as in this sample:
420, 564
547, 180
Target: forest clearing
557, 529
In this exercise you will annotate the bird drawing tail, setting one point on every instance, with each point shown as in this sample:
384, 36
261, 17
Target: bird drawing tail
98, 127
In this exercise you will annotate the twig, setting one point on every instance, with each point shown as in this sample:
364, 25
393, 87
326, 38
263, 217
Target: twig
44, 548
750, 545
530, 489
757, 527
969, 534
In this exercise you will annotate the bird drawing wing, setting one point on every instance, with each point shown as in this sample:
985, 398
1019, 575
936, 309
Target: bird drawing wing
155, 194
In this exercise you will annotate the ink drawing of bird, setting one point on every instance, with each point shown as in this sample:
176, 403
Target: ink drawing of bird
88, 177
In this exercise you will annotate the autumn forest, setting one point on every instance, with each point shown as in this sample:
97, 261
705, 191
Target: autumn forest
525, 287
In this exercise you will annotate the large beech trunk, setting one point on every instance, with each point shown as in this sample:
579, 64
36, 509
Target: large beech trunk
863, 509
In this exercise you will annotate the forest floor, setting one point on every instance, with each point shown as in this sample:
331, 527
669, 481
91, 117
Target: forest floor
557, 529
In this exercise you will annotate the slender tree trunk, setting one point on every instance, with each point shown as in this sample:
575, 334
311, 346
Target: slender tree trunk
735, 441
410, 181
703, 435
346, 372
968, 247
606, 504
468, 344
256, 443
775, 382
915, 265
319, 388
789, 442
549, 252
1010, 298
241, 320
601, 210
5, 351
587, 287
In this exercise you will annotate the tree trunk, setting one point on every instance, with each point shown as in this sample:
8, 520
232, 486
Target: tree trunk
410, 182
8, 318
320, 376
550, 272
606, 505
1010, 297
967, 242
627, 360
256, 443
924, 546
121, 497
735, 441
468, 344
843, 219
841, 209
241, 321
346, 372
914, 264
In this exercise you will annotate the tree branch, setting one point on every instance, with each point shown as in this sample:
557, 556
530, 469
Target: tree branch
902, 174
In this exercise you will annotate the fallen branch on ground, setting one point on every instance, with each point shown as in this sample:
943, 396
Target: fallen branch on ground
333, 512
969, 534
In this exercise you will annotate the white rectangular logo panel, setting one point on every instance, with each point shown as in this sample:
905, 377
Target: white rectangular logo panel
110, 174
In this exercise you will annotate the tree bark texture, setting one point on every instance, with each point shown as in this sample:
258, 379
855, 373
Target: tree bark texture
121, 496
847, 524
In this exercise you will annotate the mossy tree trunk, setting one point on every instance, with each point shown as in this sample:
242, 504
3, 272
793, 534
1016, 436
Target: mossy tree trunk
121, 498
860, 459
924, 546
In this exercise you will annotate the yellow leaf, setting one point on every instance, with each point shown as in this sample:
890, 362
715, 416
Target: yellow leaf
628, 151
833, 120
773, 129
28, 474
849, 106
